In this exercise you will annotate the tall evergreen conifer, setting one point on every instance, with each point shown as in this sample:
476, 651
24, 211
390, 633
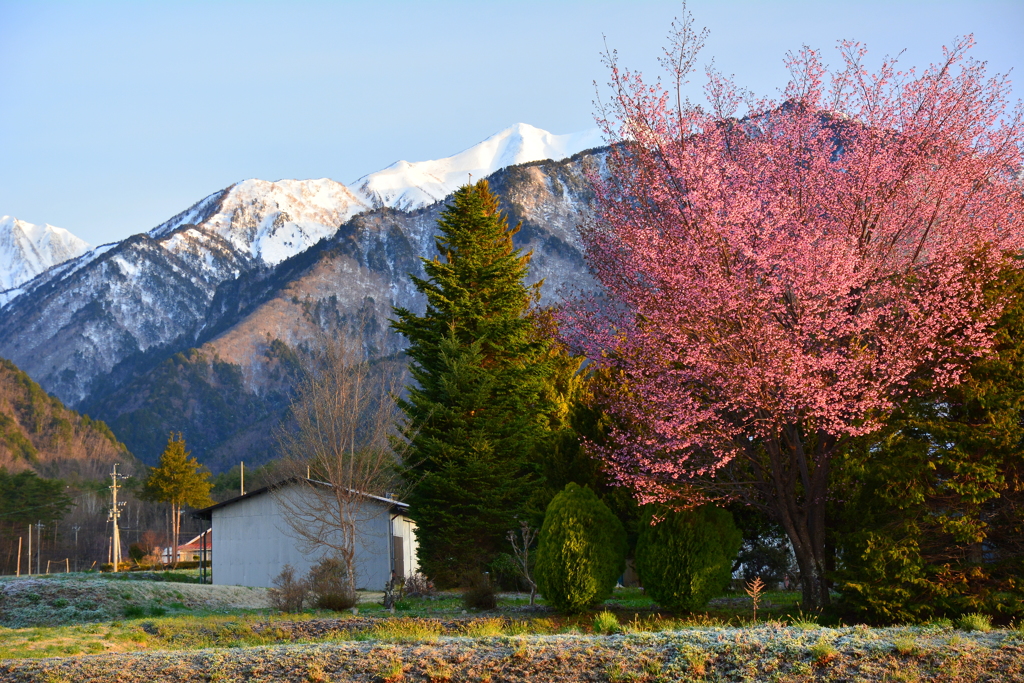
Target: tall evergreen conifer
475, 413
179, 480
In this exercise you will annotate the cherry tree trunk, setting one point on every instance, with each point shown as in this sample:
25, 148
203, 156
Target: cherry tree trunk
793, 489
811, 560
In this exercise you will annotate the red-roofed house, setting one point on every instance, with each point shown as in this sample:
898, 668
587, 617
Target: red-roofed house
193, 550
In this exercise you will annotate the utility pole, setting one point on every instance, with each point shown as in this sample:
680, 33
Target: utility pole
242, 486
115, 514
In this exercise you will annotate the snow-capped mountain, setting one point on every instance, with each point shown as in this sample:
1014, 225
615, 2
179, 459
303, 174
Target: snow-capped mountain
27, 250
258, 223
266, 221
221, 273
407, 186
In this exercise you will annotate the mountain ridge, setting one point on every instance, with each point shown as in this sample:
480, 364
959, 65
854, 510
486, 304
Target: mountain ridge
291, 215
97, 330
38, 433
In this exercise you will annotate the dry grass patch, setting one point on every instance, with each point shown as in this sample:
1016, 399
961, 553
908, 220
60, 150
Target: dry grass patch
404, 631
392, 671
485, 628
439, 672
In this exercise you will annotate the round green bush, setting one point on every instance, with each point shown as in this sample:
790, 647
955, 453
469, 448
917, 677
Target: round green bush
685, 559
582, 550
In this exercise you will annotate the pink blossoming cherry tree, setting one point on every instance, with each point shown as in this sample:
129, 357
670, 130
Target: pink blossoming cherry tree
773, 283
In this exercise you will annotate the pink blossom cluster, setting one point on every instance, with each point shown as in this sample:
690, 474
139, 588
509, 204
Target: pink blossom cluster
796, 268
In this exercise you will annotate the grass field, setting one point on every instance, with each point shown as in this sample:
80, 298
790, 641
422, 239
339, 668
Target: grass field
151, 630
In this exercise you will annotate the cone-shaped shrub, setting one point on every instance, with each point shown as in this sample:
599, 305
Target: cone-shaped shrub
582, 550
686, 558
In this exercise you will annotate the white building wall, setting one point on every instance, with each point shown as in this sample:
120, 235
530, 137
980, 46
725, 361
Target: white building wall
405, 528
252, 542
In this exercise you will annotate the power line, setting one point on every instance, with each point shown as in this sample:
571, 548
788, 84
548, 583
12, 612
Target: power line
36, 507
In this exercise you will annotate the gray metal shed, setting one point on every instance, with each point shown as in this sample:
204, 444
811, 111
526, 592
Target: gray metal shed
252, 540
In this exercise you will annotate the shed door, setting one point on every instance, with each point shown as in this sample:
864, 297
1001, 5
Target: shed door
399, 555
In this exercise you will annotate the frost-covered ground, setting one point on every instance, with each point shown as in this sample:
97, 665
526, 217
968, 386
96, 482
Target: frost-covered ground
104, 628
700, 654
65, 599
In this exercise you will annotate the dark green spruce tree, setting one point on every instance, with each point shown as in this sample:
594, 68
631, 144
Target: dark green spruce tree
932, 523
476, 413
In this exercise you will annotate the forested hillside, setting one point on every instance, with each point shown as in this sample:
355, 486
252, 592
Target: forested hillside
38, 433
205, 397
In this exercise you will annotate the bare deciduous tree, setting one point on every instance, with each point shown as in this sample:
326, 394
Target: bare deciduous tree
521, 543
338, 447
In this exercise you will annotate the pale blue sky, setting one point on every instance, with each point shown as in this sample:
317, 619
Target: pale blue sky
115, 116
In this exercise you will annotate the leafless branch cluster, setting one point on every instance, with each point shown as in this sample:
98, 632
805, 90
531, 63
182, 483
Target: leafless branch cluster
521, 542
339, 447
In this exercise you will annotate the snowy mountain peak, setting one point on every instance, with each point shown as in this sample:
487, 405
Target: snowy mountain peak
269, 222
262, 223
266, 221
27, 249
410, 185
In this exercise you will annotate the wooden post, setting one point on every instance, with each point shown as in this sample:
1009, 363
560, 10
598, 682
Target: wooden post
29, 572
17, 572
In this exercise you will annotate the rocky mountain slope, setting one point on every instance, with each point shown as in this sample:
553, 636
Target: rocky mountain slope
247, 275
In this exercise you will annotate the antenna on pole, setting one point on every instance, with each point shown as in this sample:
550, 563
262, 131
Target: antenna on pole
39, 547
113, 516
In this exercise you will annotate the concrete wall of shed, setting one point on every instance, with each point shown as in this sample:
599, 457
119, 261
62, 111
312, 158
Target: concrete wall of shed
252, 542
